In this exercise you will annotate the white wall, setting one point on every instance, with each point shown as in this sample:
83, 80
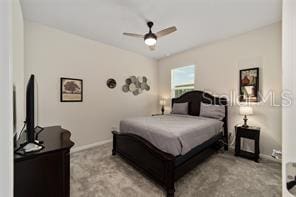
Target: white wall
289, 83
217, 71
18, 62
6, 147
51, 54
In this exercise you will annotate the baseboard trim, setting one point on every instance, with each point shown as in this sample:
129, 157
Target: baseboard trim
270, 158
88, 146
264, 156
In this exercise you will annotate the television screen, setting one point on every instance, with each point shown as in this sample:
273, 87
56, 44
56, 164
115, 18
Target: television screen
14, 110
30, 104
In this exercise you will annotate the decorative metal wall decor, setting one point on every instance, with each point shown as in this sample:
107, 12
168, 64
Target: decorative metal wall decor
111, 83
136, 85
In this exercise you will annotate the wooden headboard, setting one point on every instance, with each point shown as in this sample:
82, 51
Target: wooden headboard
194, 98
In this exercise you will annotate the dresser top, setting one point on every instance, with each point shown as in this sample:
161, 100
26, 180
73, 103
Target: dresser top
54, 138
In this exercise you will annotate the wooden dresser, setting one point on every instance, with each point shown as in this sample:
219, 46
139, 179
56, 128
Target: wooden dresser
45, 173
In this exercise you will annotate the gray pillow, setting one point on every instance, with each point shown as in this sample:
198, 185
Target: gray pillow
180, 108
212, 111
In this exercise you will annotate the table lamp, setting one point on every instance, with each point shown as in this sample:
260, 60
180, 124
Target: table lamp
246, 110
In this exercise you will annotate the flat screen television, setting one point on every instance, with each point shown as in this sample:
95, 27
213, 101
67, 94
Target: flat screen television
30, 110
14, 110
32, 143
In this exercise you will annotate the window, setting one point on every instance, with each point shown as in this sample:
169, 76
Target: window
182, 80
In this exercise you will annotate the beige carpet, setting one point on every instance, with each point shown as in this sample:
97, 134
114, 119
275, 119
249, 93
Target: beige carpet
95, 173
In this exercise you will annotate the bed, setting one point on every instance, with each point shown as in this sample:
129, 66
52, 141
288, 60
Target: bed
166, 147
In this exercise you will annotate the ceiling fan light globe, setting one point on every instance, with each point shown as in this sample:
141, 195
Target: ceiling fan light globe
150, 41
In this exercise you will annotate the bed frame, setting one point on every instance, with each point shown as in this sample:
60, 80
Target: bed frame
165, 169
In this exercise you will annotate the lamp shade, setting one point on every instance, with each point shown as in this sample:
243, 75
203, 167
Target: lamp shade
246, 110
162, 102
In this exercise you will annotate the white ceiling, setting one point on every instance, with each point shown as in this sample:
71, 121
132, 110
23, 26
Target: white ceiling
198, 21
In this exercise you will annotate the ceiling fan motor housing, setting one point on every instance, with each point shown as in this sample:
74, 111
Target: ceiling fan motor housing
150, 35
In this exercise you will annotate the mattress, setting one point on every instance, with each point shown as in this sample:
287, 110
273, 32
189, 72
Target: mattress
173, 134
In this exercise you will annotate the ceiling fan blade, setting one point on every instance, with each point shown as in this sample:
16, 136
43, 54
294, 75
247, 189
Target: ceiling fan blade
134, 35
152, 48
166, 31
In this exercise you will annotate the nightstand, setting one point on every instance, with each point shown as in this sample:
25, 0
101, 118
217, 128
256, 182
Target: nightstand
252, 133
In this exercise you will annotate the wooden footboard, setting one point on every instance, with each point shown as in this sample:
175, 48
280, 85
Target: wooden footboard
160, 166
144, 156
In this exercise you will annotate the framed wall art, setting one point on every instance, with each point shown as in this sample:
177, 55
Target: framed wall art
71, 90
249, 85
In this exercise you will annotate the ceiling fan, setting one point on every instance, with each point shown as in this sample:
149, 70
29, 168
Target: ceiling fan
150, 38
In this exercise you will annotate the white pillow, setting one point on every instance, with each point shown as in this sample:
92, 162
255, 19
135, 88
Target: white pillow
212, 111
180, 108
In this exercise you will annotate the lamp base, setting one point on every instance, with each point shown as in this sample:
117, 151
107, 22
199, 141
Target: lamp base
245, 122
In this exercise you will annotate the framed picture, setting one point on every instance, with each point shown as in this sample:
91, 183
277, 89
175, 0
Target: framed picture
71, 90
249, 85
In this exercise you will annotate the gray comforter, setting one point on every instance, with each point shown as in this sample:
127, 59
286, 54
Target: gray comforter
174, 134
